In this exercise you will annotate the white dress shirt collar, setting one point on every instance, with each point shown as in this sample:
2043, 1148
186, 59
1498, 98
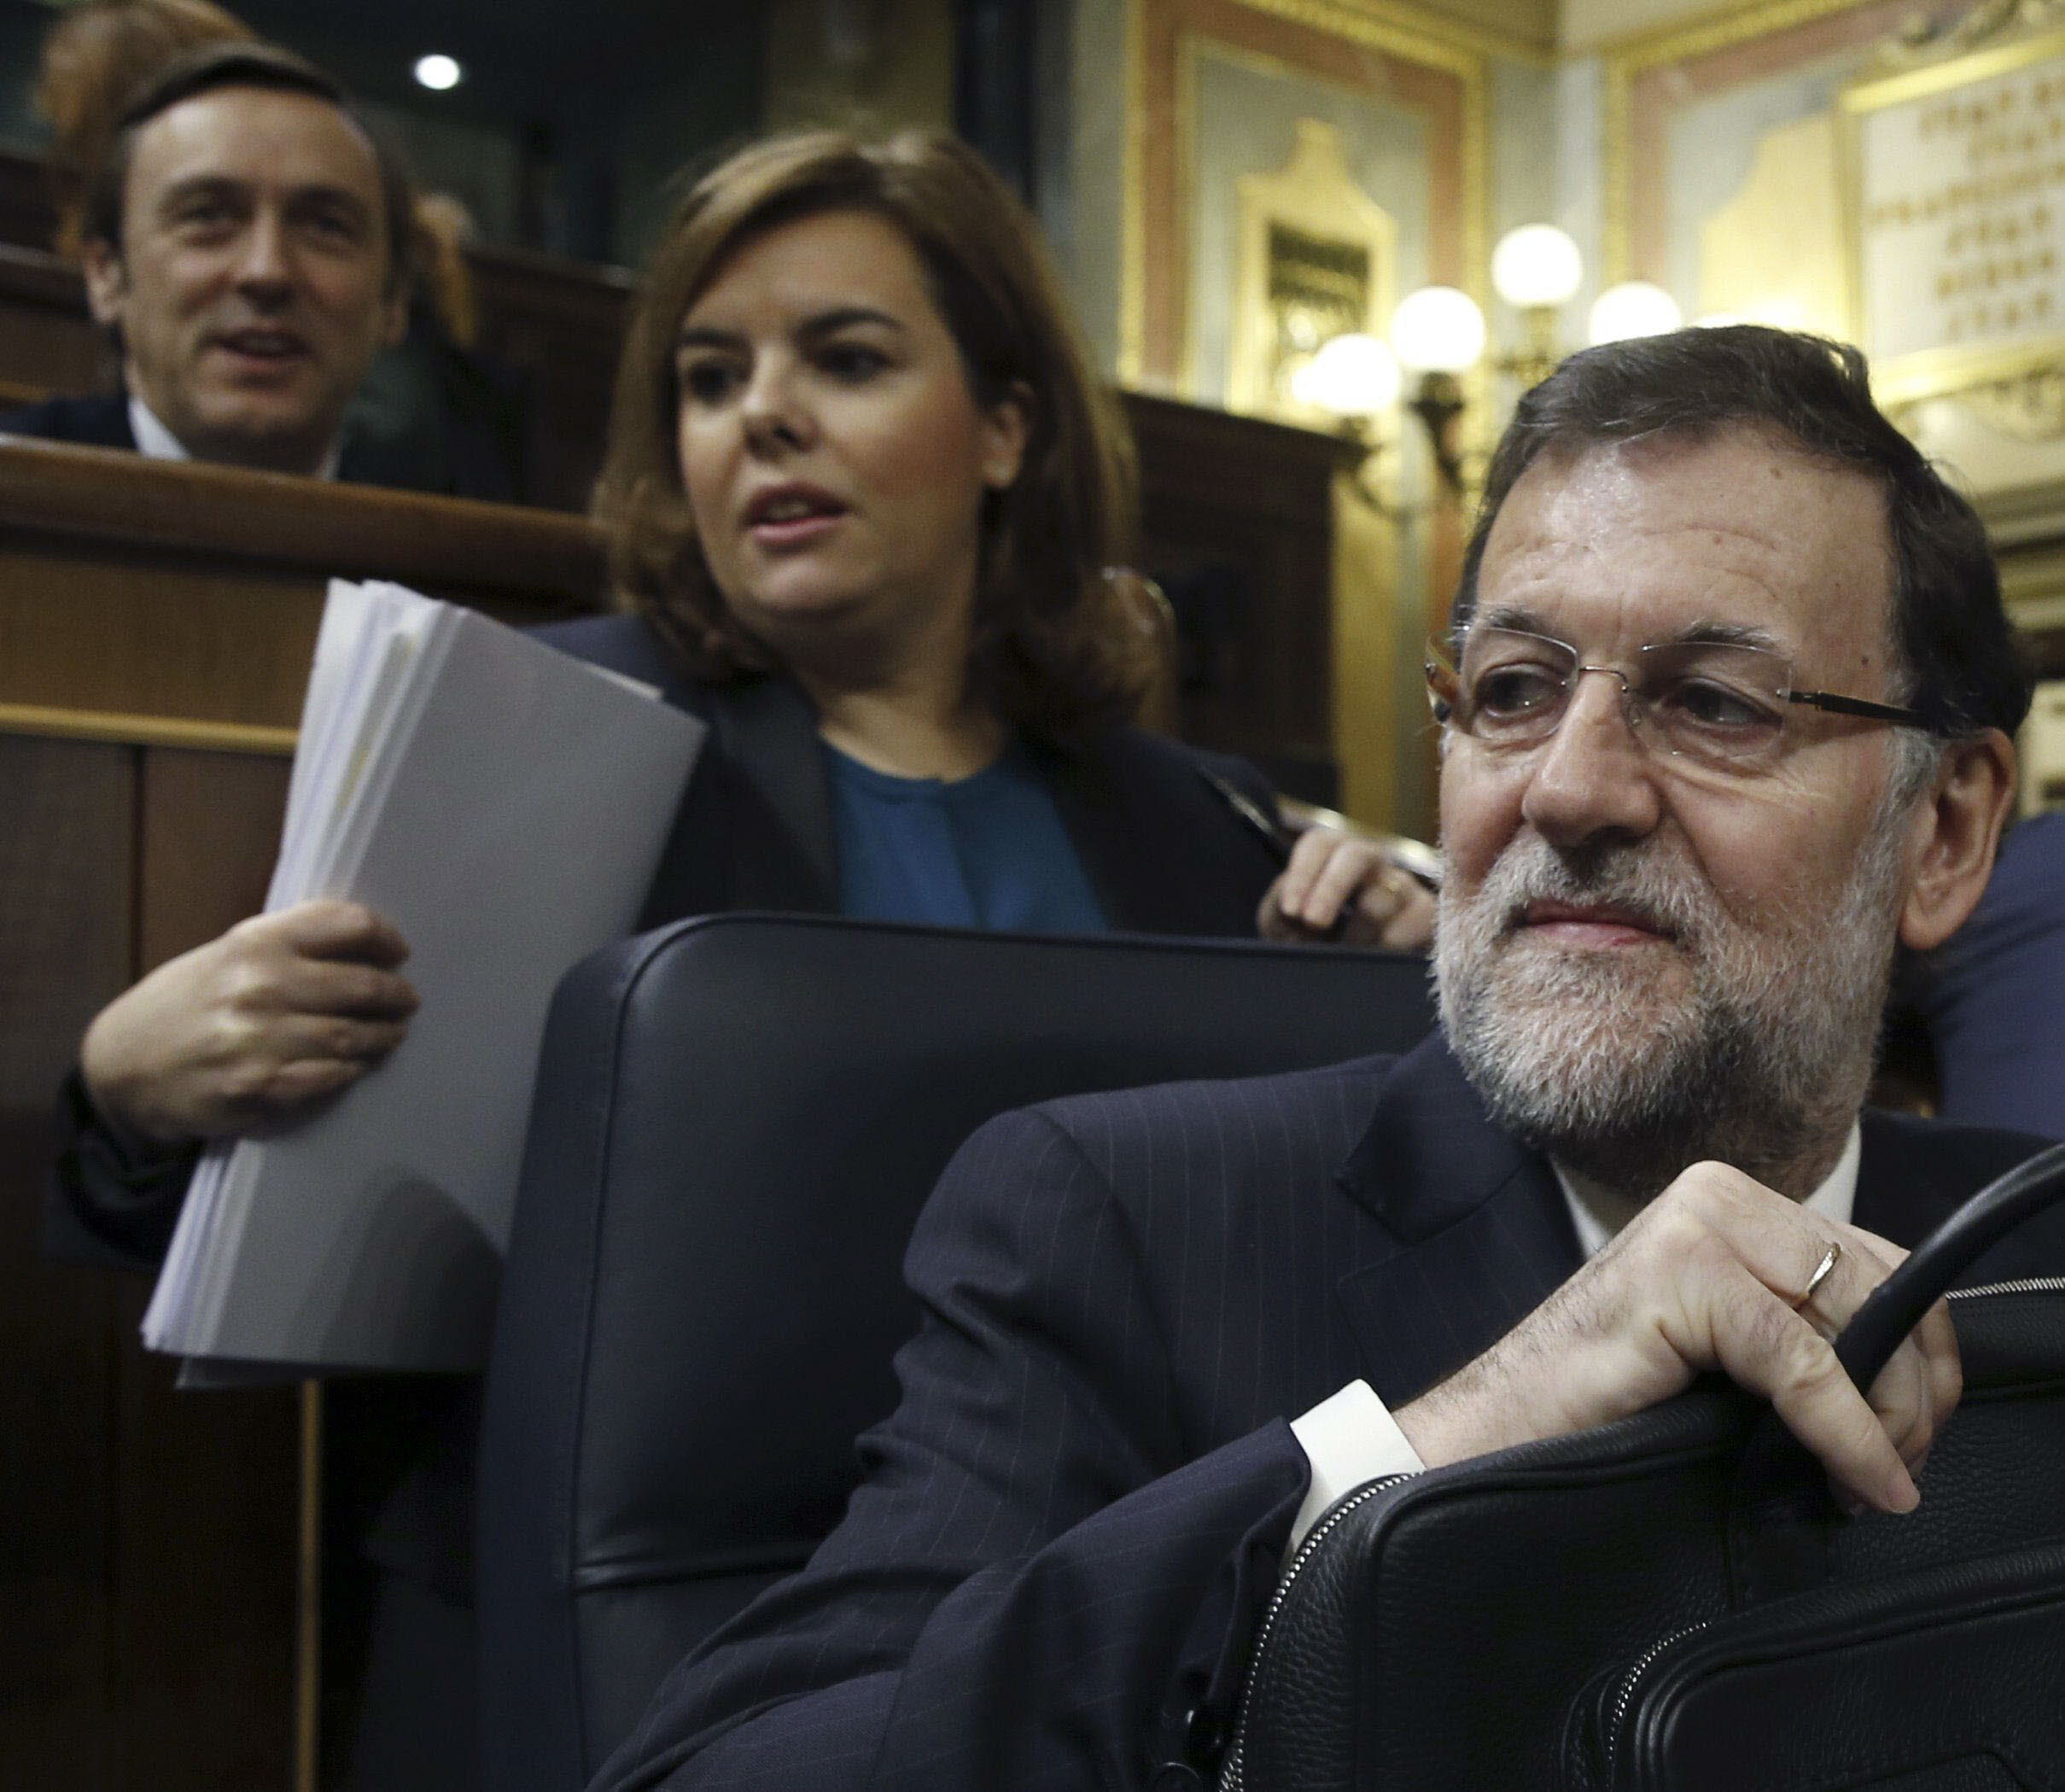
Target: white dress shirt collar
156, 442
1834, 1199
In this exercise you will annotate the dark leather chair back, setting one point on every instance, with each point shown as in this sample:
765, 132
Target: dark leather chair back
737, 1120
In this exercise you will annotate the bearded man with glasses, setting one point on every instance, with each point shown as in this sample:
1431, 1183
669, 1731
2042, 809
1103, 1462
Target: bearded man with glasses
1725, 717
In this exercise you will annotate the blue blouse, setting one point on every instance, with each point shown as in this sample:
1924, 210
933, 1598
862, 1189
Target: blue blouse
986, 851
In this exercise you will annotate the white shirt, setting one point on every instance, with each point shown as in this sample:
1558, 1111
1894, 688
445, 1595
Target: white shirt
1351, 1437
156, 442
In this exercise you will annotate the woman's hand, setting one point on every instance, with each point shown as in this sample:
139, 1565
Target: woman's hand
1335, 878
251, 1028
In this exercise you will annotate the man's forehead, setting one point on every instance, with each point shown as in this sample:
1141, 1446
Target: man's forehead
1739, 523
260, 135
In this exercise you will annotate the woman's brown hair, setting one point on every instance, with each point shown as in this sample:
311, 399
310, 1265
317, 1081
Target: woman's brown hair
1061, 644
95, 59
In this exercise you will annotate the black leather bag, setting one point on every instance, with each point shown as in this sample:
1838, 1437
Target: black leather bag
1674, 1602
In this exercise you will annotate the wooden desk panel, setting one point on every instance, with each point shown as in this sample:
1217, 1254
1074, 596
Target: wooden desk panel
199, 589
148, 1555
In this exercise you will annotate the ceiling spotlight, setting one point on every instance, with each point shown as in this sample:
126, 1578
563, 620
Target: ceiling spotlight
438, 72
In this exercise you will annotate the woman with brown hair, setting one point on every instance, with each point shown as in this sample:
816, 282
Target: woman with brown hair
863, 500
861, 479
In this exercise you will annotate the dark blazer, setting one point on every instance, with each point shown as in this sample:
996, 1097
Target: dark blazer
1164, 850
101, 420
1069, 1522
97, 421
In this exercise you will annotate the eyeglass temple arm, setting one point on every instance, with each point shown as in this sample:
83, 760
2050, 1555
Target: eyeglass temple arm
1862, 706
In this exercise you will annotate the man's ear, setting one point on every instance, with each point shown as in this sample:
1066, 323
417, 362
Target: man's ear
1956, 831
394, 321
1007, 428
107, 281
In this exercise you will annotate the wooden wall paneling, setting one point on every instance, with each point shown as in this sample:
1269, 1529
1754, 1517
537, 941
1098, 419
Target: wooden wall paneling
1248, 561
561, 325
207, 1483
67, 824
47, 340
27, 218
176, 636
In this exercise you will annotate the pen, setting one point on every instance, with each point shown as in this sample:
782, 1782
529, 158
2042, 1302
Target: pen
1275, 839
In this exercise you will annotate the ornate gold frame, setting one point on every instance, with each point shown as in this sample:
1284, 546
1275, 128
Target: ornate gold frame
1456, 50
1628, 58
1250, 256
1935, 372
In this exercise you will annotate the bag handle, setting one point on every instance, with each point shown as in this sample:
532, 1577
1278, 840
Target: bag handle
1895, 1307
1779, 1508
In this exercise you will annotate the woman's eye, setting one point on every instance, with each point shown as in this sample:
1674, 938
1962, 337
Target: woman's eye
708, 382
852, 361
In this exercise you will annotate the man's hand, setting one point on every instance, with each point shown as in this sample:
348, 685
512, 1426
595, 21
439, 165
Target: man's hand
1334, 878
251, 1028
1710, 1276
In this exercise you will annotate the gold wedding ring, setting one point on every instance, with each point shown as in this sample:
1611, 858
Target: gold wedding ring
1822, 1270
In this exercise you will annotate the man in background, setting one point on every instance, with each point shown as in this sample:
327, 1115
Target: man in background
246, 245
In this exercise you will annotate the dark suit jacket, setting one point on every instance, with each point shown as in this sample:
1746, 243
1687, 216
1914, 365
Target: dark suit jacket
101, 420
1071, 1521
1993, 997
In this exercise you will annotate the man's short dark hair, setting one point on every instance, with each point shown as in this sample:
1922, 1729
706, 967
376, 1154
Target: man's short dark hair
266, 65
1950, 631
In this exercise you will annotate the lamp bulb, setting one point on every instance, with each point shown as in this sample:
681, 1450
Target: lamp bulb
1438, 330
1353, 375
1633, 308
1537, 265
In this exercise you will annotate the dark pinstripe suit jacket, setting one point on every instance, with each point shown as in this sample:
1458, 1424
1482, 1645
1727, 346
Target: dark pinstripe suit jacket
1068, 1524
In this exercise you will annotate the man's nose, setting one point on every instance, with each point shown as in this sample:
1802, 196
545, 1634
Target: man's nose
1594, 776
265, 263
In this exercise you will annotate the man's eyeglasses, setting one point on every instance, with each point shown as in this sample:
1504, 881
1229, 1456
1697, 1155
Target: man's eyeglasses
1718, 703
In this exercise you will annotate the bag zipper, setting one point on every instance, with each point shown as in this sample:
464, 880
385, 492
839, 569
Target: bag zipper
2027, 1285
1617, 1711
1230, 1775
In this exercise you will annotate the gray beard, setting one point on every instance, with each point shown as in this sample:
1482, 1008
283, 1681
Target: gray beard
1588, 1056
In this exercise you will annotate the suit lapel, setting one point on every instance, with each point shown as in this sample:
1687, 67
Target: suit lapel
1094, 813
1479, 1231
780, 798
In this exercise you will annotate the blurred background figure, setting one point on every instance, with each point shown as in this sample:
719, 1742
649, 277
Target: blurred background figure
1992, 996
434, 413
97, 58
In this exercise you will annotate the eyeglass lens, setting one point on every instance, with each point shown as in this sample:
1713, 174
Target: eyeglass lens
1720, 704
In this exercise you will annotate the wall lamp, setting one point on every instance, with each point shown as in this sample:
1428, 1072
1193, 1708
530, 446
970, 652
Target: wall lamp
1437, 337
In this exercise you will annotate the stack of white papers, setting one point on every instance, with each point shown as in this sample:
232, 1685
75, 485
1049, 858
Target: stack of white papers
505, 806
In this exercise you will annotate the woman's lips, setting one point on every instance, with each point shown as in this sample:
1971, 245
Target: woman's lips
795, 531
792, 514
